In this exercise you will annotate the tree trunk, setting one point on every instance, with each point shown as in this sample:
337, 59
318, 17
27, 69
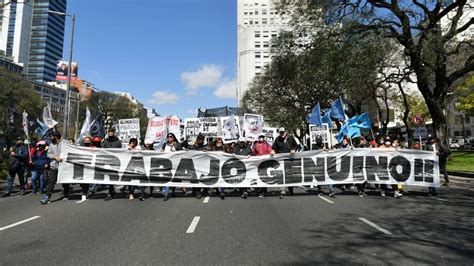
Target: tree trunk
439, 123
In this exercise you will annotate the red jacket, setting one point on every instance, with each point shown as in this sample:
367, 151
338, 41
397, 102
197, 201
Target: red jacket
262, 148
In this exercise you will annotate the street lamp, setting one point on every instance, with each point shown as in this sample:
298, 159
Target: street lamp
68, 88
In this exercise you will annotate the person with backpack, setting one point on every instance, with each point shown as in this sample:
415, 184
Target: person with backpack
21, 156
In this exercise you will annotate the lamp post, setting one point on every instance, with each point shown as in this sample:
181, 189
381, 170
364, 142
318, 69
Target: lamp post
68, 88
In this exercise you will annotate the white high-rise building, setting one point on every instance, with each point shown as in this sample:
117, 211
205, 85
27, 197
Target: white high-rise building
15, 31
258, 21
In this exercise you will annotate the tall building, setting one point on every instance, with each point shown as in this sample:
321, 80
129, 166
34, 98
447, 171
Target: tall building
257, 23
32, 36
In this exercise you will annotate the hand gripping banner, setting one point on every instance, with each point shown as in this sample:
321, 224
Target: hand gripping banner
216, 169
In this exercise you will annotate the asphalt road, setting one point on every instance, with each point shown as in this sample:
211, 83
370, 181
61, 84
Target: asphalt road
301, 229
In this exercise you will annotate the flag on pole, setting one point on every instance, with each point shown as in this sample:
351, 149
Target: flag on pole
326, 118
97, 127
47, 118
314, 118
11, 114
337, 110
346, 130
25, 123
360, 121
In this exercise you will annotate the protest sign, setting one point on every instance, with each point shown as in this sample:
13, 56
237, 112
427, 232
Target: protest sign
218, 169
252, 127
319, 133
230, 129
191, 129
270, 134
127, 129
159, 127
209, 126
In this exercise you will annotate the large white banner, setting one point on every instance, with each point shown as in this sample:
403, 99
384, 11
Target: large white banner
159, 127
252, 127
217, 169
128, 128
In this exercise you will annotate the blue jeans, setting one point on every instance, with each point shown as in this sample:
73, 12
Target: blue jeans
34, 181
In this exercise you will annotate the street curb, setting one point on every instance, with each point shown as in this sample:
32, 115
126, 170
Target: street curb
462, 174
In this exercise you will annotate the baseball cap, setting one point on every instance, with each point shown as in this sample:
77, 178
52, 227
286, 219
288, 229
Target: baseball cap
282, 129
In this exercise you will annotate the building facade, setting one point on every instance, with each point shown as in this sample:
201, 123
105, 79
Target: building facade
8, 64
32, 36
257, 23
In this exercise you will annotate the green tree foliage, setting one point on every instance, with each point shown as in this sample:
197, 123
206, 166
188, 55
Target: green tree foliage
465, 96
319, 68
23, 98
113, 107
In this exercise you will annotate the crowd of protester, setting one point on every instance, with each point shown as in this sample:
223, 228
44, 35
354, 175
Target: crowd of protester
42, 162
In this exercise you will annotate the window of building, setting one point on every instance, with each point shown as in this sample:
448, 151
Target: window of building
251, 22
257, 45
258, 55
265, 44
256, 21
264, 11
264, 21
266, 55
256, 12
258, 67
257, 34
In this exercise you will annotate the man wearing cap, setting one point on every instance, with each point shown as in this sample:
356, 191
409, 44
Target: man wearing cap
22, 156
284, 144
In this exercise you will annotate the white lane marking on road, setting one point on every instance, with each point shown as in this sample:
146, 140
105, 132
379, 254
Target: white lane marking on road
18, 223
327, 200
440, 199
81, 201
375, 226
193, 225
206, 199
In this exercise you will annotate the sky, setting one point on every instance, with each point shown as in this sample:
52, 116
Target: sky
171, 55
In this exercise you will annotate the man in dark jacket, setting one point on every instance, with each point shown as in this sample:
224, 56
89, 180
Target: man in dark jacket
22, 156
244, 150
109, 143
285, 144
198, 146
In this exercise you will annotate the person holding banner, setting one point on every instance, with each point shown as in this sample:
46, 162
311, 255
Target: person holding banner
285, 144
219, 145
244, 150
260, 148
171, 145
198, 146
132, 145
54, 153
111, 142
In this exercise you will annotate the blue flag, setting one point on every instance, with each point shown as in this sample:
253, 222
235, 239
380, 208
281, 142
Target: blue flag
337, 110
360, 121
97, 127
346, 130
314, 118
327, 118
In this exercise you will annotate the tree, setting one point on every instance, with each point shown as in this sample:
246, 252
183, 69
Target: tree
465, 96
13, 87
427, 30
113, 107
320, 68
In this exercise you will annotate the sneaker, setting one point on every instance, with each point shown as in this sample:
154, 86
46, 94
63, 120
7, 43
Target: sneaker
282, 195
6, 195
361, 194
332, 194
65, 198
397, 195
222, 196
108, 197
245, 195
130, 197
83, 197
22, 192
382, 193
33, 194
45, 200
166, 198
261, 196
198, 195
141, 198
